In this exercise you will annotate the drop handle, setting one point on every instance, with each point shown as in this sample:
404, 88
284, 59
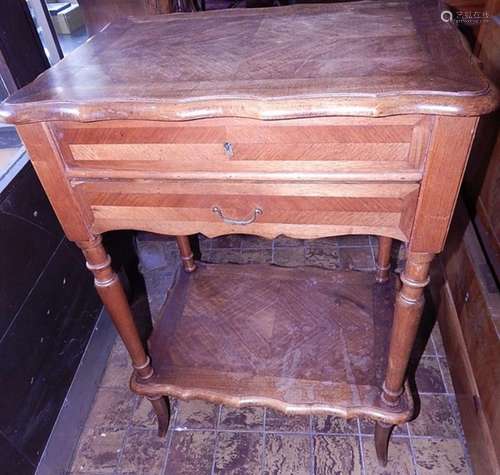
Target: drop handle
240, 222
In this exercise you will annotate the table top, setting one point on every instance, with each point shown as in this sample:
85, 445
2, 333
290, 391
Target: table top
368, 58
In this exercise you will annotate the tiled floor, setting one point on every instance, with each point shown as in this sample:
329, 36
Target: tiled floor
120, 434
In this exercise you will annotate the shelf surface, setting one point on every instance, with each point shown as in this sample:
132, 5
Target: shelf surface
300, 340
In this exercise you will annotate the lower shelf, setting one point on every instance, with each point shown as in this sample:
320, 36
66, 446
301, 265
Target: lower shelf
300, 340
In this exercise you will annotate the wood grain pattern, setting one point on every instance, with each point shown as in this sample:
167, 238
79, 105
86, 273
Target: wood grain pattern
389, 148
302, 210
266, 64
469, 317
308, 121
269, 357
448, 154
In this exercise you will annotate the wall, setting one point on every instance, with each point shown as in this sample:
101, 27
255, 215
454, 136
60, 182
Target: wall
48, 309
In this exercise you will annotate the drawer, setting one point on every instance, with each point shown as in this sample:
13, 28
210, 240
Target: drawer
316, 149
268, 209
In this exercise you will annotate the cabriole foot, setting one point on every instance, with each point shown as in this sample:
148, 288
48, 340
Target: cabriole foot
161, 407
382, 436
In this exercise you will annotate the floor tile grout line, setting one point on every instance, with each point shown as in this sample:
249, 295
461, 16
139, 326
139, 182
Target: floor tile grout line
263, 455
276, 432
124, 441
172, 421
374, 259
458, 422
361, 448
442, 376
216, 438
312, 462
303, 433
412, 450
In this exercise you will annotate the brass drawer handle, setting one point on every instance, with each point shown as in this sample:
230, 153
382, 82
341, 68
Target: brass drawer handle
241, 222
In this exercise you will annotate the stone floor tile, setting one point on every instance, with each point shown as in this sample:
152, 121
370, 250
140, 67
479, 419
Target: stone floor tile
367, 427
231, 241
326, 256
112, 409
439, 457
222, 256
334, 425
277, 421
428, 376
118, 368
152, 255
204, 242
98, 451
191, 453
246, 418
436, 417
196, 414
353, 241
144, 416
158, 282
285, 241
448, 382
289, 256
400, 457
287, 454
321, 242
336, 455
256, 256
255, 242
356, 258
429, 349
438, 341
143, 453
238, 453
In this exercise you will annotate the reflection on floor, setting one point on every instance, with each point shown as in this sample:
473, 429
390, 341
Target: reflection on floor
70, 42
120, 433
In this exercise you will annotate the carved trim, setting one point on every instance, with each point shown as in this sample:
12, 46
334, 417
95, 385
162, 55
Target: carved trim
106, 282
395, 394
399, 413
413, 283
154, 398
147, 376
419, 300
142, 366
100, 266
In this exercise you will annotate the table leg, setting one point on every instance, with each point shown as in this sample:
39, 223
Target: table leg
407, 312
186, 253
111, 292
382, 435
383, 259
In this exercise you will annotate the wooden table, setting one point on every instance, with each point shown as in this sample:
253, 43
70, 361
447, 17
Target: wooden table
307, 121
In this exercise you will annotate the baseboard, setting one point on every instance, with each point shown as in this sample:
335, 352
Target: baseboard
58, 454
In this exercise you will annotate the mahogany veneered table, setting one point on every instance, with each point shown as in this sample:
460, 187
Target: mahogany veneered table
307, 121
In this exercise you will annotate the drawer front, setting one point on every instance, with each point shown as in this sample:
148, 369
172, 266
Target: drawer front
322, 148
266, 209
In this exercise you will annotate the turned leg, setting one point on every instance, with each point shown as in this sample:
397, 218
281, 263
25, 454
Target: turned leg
110, 290
383, 259
407, 312
186, 253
